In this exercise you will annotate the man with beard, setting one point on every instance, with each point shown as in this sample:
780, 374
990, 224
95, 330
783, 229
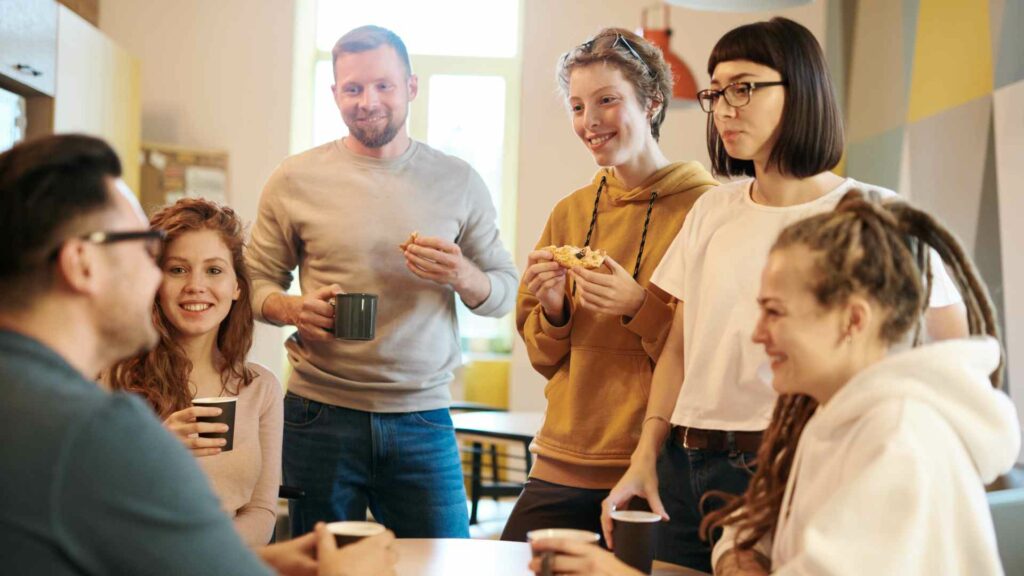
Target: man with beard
366, 422
92, 482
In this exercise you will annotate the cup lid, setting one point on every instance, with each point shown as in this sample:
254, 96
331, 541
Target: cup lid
355, 528
566, 533
215, 400
635, 516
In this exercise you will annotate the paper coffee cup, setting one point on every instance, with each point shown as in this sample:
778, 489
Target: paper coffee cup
352, 531
227, 416
634, 533
561, 534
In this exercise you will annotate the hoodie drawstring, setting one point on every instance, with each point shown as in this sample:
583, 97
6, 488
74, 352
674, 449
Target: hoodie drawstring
643, 237
593, 216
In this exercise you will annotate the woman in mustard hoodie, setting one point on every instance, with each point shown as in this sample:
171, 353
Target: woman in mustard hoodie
596, 334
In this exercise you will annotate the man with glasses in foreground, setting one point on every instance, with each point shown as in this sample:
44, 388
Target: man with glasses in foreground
93, 484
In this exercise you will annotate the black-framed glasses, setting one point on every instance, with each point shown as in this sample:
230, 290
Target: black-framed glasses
736, 94
153, 239
620, 39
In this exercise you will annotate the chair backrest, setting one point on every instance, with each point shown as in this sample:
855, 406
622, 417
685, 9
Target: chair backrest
1008, 517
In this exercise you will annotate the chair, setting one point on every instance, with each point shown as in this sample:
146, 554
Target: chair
494, 486
282, 530
1007, 508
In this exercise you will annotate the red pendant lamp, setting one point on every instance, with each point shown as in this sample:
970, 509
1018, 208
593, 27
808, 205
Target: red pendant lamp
684, 87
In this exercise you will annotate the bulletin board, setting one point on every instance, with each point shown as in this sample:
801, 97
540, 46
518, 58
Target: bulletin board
171, 172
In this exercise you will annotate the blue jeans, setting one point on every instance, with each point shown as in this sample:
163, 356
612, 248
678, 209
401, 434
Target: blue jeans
684, 475
404, 466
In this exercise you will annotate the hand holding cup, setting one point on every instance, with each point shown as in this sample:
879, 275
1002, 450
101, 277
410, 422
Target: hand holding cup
367, 555
225, 419
570, 552
185, 427
315, 315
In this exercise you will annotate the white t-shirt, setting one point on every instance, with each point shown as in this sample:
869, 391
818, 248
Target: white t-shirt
714, 267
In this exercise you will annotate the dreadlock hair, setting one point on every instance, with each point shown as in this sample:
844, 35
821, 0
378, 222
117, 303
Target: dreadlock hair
879, 250
161, 375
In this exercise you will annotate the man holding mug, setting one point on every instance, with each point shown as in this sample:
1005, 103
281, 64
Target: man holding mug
338, 212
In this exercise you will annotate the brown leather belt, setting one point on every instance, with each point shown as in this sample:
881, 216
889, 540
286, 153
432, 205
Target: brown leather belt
716, 440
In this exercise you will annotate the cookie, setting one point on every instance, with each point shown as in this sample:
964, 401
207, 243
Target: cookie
569, 256
409, 242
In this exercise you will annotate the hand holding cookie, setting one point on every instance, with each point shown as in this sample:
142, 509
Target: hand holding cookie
412, 240
544, 277
616, 293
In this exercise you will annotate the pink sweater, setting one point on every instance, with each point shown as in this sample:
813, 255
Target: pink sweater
247, 478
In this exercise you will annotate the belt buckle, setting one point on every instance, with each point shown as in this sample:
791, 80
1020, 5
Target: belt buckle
686, 436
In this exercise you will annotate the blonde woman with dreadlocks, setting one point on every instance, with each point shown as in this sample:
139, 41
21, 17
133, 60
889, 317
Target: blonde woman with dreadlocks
874, 462
596, 334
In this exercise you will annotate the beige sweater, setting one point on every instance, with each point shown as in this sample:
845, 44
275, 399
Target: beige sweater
247, 478
339, 217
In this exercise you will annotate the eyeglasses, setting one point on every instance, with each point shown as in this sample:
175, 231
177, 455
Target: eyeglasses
736, 94
588, 46
154, 240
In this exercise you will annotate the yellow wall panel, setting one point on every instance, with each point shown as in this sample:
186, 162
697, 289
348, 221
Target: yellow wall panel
952, 56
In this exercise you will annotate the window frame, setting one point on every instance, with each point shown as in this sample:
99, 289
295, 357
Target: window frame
306, 56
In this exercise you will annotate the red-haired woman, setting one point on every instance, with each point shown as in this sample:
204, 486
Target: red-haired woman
205, 323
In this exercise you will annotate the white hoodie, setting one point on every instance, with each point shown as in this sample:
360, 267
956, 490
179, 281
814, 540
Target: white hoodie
889, 475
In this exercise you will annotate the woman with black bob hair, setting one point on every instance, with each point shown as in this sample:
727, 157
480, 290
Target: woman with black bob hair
773, 119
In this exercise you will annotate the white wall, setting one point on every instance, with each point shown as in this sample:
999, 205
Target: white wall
216, 74
552, 163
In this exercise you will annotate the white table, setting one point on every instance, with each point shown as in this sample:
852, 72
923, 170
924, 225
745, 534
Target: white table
452, 557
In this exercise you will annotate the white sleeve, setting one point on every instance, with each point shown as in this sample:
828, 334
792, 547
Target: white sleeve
944, 290
877, 522
727, 541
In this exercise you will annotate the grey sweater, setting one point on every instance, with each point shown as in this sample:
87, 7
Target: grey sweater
93, 484
339, 217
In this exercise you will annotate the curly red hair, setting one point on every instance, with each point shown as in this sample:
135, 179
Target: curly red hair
161, 375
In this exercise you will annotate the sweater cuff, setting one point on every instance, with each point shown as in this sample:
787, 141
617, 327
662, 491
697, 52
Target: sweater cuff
556, 332
495, 301
260, 292
651, 319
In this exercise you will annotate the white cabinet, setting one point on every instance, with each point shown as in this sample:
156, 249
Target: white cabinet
98, 90
28, 38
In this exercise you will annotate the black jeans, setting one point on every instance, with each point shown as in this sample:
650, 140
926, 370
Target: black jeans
684, 476
546, 505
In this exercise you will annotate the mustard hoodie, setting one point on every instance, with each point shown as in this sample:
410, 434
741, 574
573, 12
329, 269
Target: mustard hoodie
599, 366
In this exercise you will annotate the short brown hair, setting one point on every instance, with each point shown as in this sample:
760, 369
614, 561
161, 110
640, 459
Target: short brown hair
366, 38
649, 75
51, 188
811, 138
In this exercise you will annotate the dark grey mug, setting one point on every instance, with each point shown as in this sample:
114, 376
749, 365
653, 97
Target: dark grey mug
355, 316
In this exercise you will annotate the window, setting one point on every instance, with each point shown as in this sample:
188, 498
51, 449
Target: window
468, 102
